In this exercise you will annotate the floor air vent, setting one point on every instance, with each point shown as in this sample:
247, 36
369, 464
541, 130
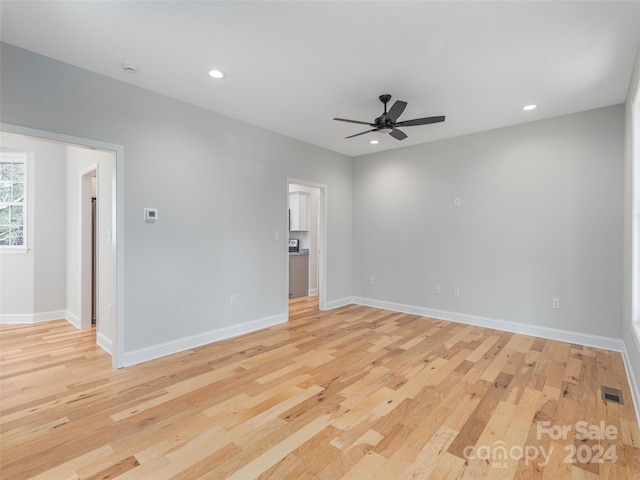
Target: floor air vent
611, 395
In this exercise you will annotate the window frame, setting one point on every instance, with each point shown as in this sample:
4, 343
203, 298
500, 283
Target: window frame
635, 213
23, 158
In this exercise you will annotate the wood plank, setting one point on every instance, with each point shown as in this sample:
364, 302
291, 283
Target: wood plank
355, 392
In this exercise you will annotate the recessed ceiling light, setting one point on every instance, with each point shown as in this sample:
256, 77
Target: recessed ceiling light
130, 68
529, 107
374, 142
216, 74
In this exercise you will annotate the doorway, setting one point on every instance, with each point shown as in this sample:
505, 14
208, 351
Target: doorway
307, 220
89, 221
86, 158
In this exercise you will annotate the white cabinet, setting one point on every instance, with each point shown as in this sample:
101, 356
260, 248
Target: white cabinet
298, 211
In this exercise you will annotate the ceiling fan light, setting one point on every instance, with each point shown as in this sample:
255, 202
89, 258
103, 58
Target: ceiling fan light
385, 130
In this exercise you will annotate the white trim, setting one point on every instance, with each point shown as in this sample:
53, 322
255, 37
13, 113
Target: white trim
635, 211
41, 317
579, 338
313, 292
340, 302
104, 343
633, 384
73, 319
174, 346
85, 242
14, 250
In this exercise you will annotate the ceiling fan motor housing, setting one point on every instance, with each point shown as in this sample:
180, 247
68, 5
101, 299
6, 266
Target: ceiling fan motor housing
384, 124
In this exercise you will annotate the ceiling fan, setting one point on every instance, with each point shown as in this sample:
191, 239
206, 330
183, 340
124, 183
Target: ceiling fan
387, 122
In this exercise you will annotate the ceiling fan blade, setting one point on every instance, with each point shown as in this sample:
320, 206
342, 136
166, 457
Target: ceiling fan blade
396, 110
362, 133
355, 121
398, 134
420, 121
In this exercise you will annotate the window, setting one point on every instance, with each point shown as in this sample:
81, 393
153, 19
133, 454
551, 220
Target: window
13, 200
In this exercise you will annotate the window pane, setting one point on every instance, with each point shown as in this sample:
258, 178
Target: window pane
5, 191
4, 235
5, 172
16, 216
5, 215
17, 172
18, 192
15, 235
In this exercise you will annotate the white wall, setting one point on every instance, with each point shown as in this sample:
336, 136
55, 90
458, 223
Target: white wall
32, 285
79, 162
630, 334
76, 162
540, 217
106, 235
220, 187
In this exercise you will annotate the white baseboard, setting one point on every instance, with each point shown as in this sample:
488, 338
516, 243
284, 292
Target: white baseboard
341, 302
579, 338
104, 343
27, 318
168, 348
72, 318
313, 292
628, 365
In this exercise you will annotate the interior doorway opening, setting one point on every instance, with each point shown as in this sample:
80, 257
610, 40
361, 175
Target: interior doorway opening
86, 158
89, 221
306, 237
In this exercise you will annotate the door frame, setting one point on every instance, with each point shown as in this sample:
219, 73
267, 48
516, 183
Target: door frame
86, 235
117, 355
322, 241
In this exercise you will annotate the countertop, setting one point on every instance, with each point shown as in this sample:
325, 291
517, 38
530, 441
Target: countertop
304, 251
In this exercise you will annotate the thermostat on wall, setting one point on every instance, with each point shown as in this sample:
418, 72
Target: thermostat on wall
151, 214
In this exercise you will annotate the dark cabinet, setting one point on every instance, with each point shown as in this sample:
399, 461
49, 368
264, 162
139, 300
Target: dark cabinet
298, 275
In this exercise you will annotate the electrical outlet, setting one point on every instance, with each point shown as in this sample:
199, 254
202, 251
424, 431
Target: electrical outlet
233, 301
437, 289
456, 291
555, 303
456, 202
372, 281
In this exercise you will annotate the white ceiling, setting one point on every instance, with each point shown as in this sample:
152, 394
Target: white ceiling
293, 66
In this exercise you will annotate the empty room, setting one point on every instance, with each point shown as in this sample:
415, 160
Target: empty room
319, 240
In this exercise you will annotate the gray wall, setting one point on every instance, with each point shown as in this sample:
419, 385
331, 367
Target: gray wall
541, 212
33, 284
540, 217
220, 187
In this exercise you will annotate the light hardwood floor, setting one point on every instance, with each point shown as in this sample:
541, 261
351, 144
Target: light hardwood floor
354, 393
